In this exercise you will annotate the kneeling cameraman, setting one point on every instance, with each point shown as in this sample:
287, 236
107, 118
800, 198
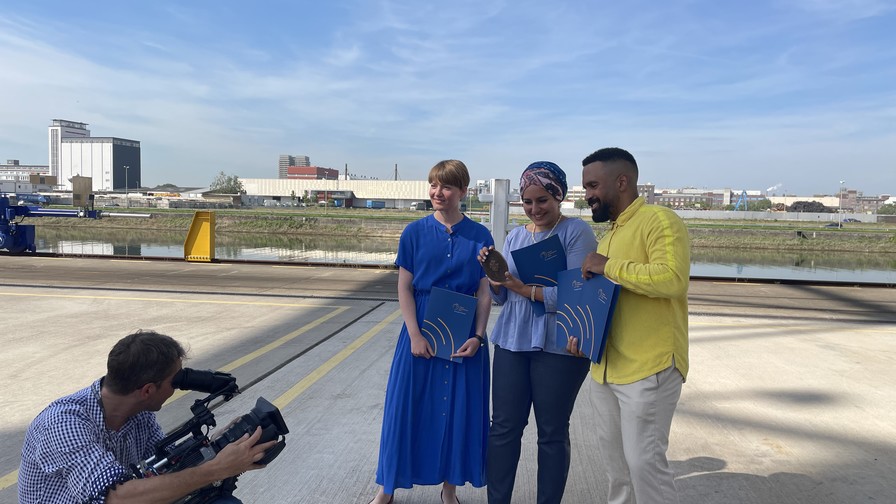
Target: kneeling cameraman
80, 447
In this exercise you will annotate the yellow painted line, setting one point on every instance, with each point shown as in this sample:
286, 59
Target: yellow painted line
274, 344
175, 396
169, 300
297, 389
9, 480
267, 348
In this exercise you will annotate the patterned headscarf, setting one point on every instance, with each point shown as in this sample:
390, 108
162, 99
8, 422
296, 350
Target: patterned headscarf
547, 175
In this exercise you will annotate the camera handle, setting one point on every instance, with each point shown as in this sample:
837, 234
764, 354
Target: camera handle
202, 418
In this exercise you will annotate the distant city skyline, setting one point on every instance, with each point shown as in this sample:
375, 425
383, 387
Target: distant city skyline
796, 94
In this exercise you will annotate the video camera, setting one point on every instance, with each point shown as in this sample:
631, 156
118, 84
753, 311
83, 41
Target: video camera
177, 451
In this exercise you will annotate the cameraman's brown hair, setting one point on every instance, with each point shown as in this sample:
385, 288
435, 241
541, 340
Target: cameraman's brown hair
140, 358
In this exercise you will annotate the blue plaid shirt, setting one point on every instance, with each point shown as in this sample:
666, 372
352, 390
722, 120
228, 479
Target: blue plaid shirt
70, 457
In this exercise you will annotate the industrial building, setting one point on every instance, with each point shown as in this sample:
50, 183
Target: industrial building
113, 163
14, 171
288, 160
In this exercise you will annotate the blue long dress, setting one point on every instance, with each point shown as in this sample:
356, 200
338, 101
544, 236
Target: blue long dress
435, 418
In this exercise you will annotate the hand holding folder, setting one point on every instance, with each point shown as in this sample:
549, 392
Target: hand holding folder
584, 311
539, 263
448, 321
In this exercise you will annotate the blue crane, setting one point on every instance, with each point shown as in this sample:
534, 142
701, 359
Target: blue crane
741, 201
17, 237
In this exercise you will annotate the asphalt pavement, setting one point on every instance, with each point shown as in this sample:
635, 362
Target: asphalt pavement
789, 399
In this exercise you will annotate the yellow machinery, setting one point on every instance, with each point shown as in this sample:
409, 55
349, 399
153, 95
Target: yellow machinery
200, 243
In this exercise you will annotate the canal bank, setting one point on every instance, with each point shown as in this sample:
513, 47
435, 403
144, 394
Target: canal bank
752, 235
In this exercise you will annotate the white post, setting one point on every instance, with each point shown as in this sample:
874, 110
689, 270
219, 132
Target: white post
500, 211
840, 206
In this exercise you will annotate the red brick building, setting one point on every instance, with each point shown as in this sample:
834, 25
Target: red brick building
311, 173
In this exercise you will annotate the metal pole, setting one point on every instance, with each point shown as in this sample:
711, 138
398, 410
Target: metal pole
840, 206
127, 200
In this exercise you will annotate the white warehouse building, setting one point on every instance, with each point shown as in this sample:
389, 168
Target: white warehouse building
113, 163
396, 193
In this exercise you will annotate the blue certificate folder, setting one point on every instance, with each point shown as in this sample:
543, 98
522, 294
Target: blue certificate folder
539, 264
447, 322
584, 311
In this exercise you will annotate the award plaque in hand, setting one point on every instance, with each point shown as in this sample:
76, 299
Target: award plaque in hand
495, 266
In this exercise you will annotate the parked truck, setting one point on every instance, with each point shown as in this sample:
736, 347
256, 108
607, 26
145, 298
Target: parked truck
421, 205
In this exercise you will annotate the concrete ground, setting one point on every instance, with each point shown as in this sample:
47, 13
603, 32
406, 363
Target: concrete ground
789, 399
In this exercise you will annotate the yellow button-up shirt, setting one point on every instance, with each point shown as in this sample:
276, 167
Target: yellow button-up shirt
649, 256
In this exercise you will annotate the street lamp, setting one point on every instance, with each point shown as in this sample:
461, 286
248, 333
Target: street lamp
127, 200
840, 205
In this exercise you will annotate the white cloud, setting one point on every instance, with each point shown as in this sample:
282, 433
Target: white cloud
697, 97
845, 10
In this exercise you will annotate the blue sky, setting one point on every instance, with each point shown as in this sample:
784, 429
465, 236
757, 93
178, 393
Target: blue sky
797, 94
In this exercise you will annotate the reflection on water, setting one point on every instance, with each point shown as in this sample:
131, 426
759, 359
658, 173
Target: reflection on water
331, 250
789, 265
722, 263
229, 246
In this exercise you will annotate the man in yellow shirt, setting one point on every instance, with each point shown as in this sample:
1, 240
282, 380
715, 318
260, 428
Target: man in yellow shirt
638, 381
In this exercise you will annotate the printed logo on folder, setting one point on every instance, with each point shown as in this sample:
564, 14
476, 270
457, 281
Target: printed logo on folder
584, 311
539, 264
448, 321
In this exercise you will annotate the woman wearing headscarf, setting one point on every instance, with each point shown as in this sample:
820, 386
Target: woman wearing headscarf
530, 369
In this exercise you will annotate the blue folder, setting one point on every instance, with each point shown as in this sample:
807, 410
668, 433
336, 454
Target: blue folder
585, 310
448, 321
539, 264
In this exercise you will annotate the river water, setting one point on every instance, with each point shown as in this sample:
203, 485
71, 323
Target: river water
719, 263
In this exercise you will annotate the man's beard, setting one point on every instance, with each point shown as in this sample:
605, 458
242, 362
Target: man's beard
601, 213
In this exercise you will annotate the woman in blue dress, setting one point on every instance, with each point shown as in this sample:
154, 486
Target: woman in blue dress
532, 370
435, 418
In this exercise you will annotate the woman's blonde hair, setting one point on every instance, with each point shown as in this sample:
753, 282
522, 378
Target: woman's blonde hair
450, 172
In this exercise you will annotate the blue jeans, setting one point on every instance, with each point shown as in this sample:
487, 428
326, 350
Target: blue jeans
520, 381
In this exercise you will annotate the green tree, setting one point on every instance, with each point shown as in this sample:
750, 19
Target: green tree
760, 205
227, 184
580, 204
888, 209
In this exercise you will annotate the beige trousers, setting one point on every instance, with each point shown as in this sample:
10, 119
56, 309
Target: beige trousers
633, 431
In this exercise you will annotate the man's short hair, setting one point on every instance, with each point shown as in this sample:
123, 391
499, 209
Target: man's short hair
609, 155
140, 358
